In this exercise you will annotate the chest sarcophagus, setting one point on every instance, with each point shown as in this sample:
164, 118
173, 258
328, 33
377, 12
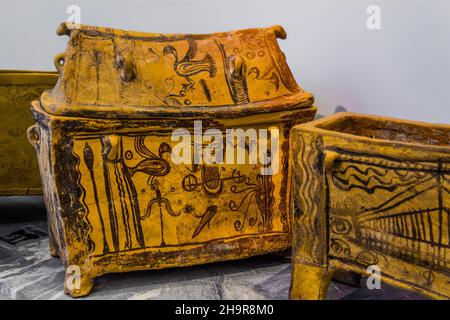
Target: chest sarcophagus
108, 135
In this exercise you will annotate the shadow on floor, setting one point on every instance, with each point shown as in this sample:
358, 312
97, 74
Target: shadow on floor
22, 209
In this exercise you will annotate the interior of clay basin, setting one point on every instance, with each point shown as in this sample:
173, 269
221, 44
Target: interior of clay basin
390, 129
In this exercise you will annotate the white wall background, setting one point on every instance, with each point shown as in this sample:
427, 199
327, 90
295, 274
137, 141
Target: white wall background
402, 70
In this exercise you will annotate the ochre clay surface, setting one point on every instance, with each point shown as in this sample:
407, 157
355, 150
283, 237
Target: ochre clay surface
116, 202
19, 172
370, 191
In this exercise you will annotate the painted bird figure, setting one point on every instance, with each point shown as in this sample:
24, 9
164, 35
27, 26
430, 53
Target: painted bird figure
188, 67
268, 75
152, 165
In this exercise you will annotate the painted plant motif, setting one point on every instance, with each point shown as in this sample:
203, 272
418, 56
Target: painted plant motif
260, 193
162, 202
154, 166
89, 160
396, 226
120, 223
176, 70
124, 211
255, 196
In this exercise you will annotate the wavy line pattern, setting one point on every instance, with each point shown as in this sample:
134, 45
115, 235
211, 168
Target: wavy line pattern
81, 220
371, 179
309, 185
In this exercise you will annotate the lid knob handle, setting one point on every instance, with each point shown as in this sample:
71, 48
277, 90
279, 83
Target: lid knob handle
126, 68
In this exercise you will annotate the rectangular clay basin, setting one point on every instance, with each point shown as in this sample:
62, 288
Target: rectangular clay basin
116, 200
367, 191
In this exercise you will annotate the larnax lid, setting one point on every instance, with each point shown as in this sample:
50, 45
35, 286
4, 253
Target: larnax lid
122, 74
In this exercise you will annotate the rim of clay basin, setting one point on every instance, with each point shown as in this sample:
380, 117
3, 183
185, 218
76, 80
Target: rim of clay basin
13, 77
316, 126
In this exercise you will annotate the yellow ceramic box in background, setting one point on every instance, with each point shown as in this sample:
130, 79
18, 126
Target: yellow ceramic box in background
19, 172
115, 200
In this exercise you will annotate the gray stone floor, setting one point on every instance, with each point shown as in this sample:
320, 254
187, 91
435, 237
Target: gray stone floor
27, 271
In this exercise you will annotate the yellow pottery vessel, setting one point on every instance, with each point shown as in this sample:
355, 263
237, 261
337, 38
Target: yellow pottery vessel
374, 192
19, 172
116, 201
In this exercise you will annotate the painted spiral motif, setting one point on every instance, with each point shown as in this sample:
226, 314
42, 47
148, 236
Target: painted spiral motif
340, 226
